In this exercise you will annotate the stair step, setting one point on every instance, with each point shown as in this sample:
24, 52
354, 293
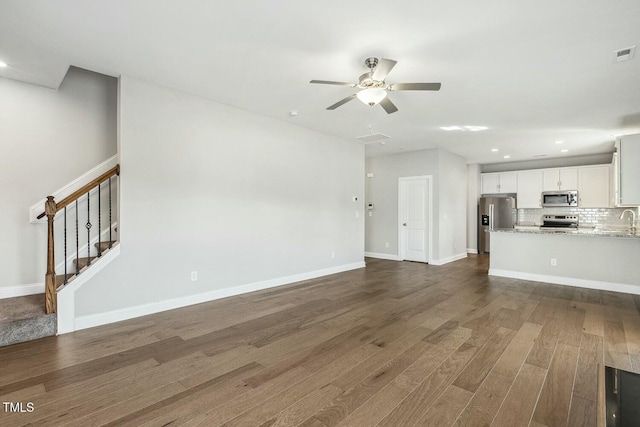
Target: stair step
23, 319
83, 262
60, 279
103, 246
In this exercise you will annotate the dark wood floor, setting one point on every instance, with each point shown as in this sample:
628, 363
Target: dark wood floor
395, 344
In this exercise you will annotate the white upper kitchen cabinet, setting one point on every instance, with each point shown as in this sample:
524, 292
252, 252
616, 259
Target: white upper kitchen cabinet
628, 181
498, 182
529, 189
562, 179
594, 187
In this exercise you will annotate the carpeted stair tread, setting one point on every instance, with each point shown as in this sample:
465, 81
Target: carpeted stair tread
23, 319
28, 329
19, 308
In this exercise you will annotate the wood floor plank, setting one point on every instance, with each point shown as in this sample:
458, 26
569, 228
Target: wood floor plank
542, 350
553, 404
347, 402
447, 408
234, 407
383, 345
486, 401
218, 389
591, 355
475, 373
270, 407
616, 352
411, 410
363, 370
582, 413
519, 404
375, 409
305, 407
518, 349
428, 362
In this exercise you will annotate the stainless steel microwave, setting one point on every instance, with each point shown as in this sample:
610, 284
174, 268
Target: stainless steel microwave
559, 198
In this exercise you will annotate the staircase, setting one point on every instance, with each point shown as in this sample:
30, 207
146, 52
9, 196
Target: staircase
23, 319
72, 220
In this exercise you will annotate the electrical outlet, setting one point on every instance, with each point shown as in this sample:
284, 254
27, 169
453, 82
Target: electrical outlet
386, 244
554, 262
357, 214
333, 254
370, 213
194, 276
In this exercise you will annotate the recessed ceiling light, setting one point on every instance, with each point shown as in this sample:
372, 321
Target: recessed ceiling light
3, 64
564, 151
293, 113
507, 156
465, 128
559, 142
494, 150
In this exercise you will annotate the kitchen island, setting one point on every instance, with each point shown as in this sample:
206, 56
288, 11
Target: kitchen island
587, 258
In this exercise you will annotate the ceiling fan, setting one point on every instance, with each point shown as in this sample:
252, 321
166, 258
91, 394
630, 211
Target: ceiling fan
373, 85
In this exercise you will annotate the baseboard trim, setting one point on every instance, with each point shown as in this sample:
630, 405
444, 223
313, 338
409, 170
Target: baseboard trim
472, 251
447, 260
21, 290
390, 257
89, 321
567, 281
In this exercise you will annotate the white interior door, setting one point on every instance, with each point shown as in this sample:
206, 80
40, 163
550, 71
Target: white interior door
414, 219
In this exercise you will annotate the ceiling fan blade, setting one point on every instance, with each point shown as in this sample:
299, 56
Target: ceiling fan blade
341, 102
383, 68
329, 82
415, 86
388, 106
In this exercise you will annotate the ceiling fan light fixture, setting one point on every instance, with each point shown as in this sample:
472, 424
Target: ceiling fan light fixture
372, 96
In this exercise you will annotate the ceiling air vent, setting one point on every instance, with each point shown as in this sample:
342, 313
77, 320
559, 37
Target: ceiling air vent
371, 138
623, 55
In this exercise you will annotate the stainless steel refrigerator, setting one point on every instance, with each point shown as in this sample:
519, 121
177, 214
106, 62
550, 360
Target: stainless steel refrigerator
494, 212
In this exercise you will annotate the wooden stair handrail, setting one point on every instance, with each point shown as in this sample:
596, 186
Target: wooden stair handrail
50, 210
84, 189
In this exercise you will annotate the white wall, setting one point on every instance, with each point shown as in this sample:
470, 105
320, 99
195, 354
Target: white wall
382, 191
473, 193
449, 208
48, 139
238, 197
452, 206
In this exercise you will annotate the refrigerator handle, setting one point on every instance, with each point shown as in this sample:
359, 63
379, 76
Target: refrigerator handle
491, 216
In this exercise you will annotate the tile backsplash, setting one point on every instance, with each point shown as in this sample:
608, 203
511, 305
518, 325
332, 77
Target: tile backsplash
589, 217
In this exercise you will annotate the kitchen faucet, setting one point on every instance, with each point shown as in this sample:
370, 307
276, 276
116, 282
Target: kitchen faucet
632, 217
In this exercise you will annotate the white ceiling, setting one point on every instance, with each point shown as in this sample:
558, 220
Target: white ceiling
534, 72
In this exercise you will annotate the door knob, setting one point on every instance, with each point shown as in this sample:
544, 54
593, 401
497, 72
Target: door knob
404, 224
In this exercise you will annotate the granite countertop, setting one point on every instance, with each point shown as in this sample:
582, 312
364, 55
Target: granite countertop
586, 231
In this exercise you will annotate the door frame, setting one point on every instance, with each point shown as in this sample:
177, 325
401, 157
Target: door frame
401, 239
